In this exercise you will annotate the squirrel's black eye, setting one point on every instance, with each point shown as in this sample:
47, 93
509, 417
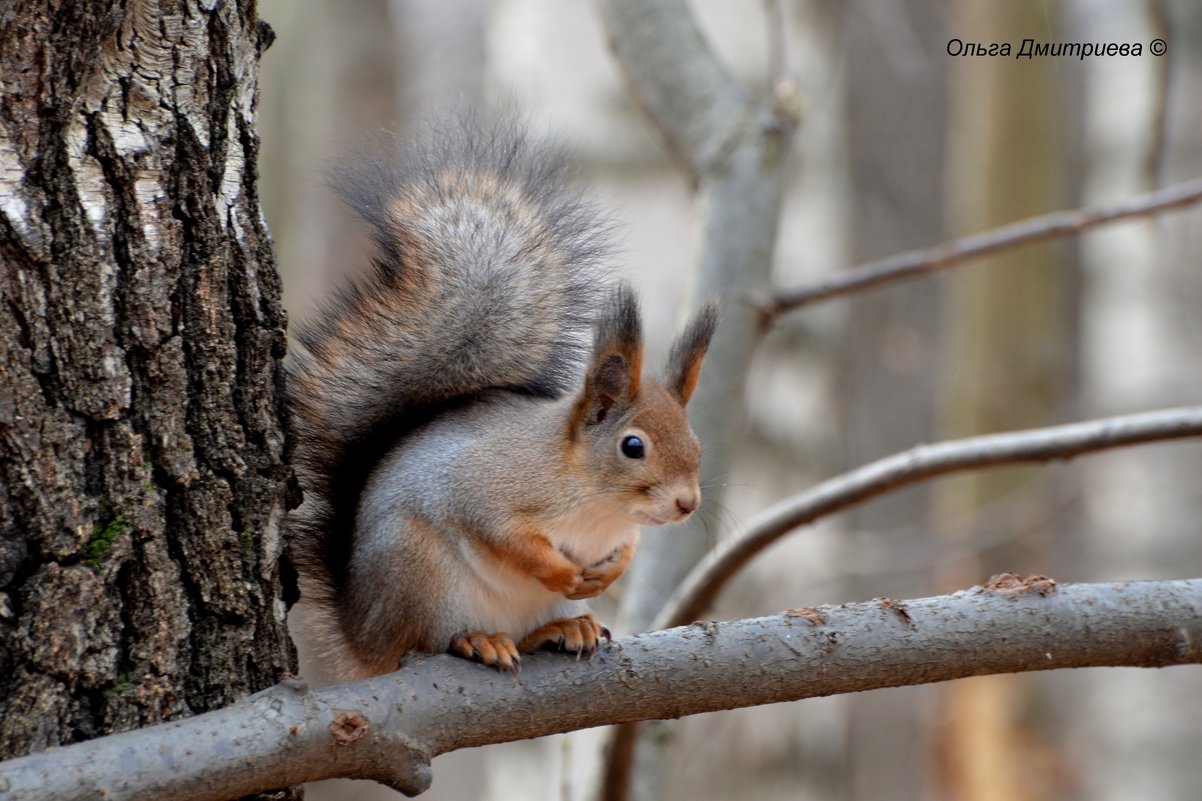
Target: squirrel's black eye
633, 448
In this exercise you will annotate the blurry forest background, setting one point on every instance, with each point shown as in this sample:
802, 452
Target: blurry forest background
900, 146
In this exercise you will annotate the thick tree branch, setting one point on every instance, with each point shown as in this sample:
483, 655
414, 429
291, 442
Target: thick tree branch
950, 254
696, 595
678, 81
388, 728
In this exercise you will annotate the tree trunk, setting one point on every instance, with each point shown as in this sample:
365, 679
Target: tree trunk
1009, 361
142, 481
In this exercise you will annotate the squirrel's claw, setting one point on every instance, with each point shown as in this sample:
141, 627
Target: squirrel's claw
495, 650
579, 635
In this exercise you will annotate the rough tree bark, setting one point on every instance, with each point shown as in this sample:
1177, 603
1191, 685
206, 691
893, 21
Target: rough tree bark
142, 481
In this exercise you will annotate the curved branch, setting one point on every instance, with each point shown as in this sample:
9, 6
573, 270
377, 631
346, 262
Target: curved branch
696, 595
950, 254
388, 728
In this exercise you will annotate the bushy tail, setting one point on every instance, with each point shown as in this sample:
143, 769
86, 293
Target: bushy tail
489, 268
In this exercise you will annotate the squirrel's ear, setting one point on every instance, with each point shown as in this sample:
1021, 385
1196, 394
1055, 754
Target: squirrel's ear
613, 374
684, 363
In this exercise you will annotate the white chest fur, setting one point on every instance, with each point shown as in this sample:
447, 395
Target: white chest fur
502, 601
592, 531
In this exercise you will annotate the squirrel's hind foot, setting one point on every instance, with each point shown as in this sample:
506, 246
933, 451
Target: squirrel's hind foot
495, 650
580, 635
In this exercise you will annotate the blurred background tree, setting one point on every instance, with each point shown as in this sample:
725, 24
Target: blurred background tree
901, 146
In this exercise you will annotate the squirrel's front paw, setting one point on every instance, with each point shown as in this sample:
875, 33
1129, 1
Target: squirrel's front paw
589, 584
580, 635
495, 650
563, 579
596, 578
577, 583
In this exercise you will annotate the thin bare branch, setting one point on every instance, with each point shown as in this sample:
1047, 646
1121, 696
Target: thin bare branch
950, 254
389, 728
696, 595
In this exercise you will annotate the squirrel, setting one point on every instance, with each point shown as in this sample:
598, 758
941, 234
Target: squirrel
472, 466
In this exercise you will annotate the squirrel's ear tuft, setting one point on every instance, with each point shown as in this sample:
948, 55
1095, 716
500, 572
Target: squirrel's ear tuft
612, 381
684, 363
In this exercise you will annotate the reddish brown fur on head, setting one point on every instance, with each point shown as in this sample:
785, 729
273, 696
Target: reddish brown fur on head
634, 428
663, 412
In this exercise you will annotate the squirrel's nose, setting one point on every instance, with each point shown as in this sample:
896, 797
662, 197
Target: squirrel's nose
686, 503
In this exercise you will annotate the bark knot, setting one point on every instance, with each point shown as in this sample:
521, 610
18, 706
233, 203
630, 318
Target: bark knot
348, 726
898, 608
1011, 585
811, 614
